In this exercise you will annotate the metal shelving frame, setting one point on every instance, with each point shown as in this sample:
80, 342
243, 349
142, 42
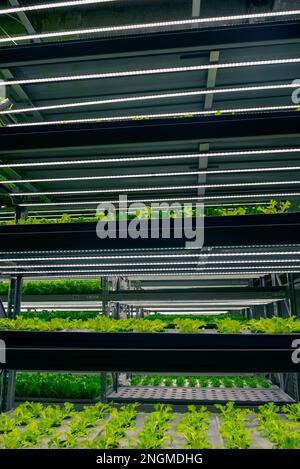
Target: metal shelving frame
263, 251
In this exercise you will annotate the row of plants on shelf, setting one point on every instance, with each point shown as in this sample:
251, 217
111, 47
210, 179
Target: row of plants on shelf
103, 426
49, 315
201, 381
59, 385
58, 287
207, 318
272, 207
273, 325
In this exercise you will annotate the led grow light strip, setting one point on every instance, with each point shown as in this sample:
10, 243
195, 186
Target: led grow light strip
232, 270
186, 114
153, 71
162, 263
152, 175
170, 199
143, 26
150, 97
194, 275
48, 6
165, 249
153, 189
271, 151
156, 256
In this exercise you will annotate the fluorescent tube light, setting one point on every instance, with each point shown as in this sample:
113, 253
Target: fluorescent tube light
153, 71
144, 26
153, 189
46, 6
150, 97
187, 114
152, 175
127, 159
157, 256
170, 199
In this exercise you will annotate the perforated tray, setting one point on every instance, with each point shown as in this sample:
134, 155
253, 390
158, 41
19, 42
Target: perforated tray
198, 395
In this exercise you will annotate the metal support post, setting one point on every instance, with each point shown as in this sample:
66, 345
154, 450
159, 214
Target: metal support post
3, 395
11, 297
292, 296
105, 289
8, 383
20, 214
18, 296
103, 385
275, 305
115, 377
263, 284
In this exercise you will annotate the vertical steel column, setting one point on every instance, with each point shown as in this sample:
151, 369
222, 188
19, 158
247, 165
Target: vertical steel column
292, 296
11, 297
115, 377
18, 296
263, 284
20, 214
103, 383
4, 386
275, 305
104, 288
9, 376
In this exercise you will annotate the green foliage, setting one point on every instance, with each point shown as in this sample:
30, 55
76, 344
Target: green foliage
141, 325
193, 427
180, 381
227, 381
49, 315
192, 381
169, 381
228, 326
189, 325
154, 433
275, 325
114, 429
135, 380
32, 425
147, 380
101, 323
203, 381
292, 411
262, 382
215, 381
57, 287
157, 380
233, 428
250, 382
63, 386
283, 434
98, 324
206, 318
272, 207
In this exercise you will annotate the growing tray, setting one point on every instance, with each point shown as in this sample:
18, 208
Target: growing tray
146, 352
219, 231
209, 395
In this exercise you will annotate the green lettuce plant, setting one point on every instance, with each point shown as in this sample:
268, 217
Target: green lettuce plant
193, 427
154, 432
233, 427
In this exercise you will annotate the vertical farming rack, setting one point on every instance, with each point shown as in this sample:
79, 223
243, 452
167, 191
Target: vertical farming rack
184, 115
